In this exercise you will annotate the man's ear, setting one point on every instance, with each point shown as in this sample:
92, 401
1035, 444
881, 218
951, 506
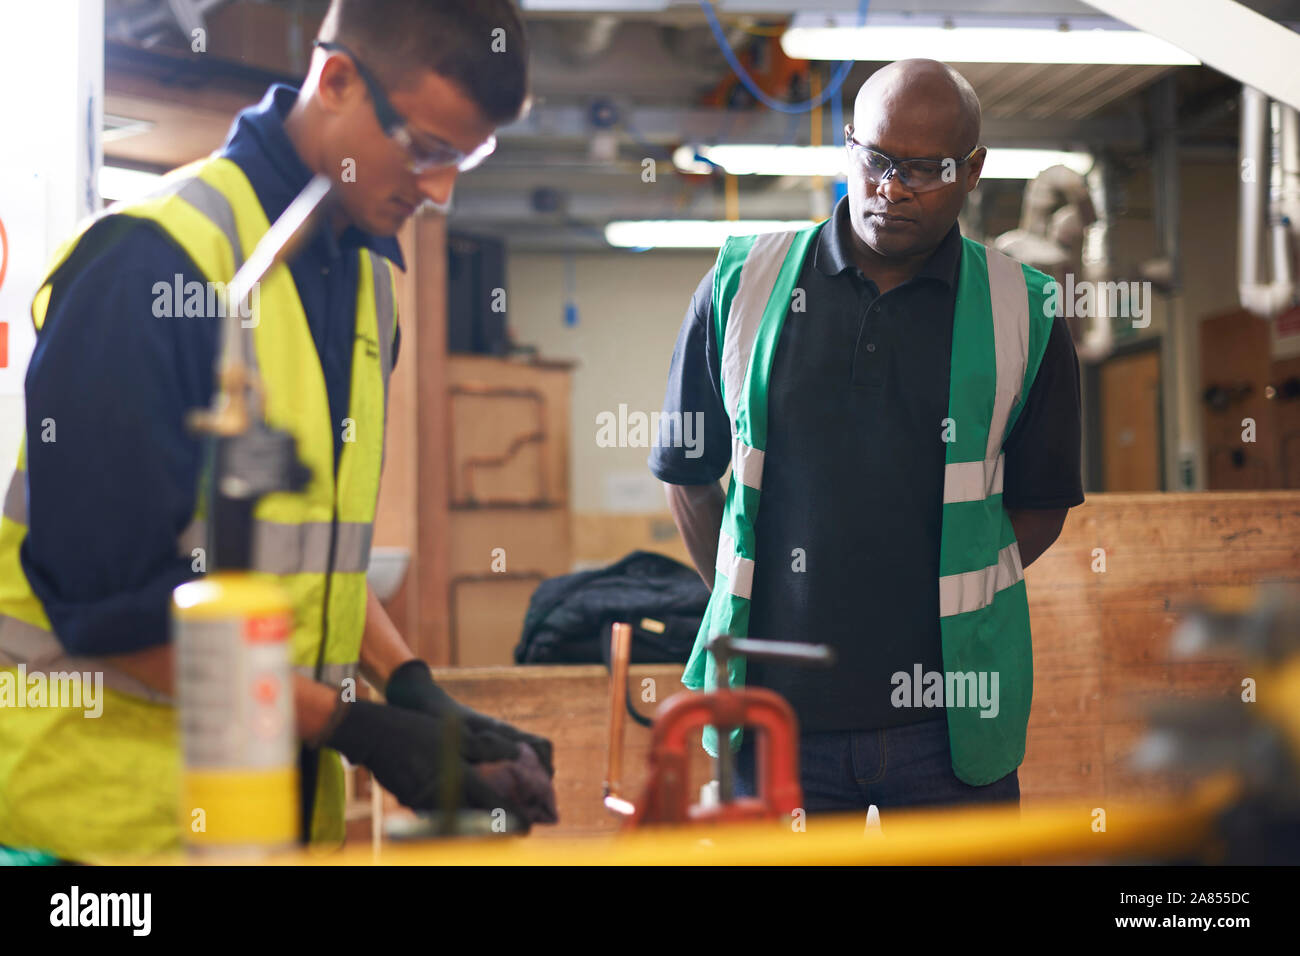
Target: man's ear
975, 167
338, 81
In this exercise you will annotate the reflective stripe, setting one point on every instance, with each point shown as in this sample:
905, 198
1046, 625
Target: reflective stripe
961, 593
972, 480
298, 548
757, 279
352, 548
208, 200
16, 498
385, 315
331, 674
305, 548
747, 464
1009, 297
738, 570
40, 652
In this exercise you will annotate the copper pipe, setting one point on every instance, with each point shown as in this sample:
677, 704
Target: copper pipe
620, 651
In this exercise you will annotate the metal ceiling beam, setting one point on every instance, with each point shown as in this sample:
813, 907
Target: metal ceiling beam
668, 125
1225, 35
782, 8
655, 203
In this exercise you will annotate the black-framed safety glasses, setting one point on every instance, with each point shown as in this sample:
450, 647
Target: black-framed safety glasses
918, 175
425, 152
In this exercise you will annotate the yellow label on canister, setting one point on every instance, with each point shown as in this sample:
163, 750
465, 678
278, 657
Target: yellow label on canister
232, 808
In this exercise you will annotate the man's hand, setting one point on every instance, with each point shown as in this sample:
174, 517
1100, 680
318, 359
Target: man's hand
523, 781
407, 753
1036, 529
411, 686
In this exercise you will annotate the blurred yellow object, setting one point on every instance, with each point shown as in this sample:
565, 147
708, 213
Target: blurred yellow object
1177, 829
239, 785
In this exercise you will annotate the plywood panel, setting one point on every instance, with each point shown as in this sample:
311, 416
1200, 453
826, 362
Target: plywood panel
429, 630
488, 618
489, 425
1130, 429
1101, 636
1286, 413
1235, 357
531, 541
602, 538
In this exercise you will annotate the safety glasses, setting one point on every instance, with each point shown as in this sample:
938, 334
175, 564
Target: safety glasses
918, 175
424, 151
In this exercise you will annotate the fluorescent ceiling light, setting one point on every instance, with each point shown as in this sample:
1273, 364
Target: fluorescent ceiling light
1094, 40
690, 233
1028, 163
122, 127
762, 160
832, 161
117, 184
594, 6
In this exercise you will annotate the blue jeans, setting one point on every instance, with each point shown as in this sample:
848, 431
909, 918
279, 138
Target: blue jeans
908, 766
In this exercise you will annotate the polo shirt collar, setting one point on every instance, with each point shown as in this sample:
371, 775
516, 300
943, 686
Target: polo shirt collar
259, 144
833, 252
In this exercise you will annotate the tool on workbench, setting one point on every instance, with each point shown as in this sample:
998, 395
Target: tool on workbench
764, 712
240, 786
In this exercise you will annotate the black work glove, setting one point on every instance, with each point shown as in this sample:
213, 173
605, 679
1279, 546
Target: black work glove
406, 751
525, 782
411, 686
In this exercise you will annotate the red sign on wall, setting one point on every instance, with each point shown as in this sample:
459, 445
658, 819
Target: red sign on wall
4, 267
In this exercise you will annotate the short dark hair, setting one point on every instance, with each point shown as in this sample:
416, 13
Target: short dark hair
478, 44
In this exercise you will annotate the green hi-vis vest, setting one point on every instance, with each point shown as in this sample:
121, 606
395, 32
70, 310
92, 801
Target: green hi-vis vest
1000, 329
88, 788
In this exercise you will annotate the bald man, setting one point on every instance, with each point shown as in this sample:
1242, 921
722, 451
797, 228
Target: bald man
910, 424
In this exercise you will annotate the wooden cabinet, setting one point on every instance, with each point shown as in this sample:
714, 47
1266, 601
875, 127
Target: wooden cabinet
1242, 382
476, 476
508, 481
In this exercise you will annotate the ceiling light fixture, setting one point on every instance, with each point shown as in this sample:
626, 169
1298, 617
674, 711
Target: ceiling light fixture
1091, 40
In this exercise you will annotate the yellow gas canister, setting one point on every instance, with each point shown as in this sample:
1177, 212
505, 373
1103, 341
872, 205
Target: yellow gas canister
234, 694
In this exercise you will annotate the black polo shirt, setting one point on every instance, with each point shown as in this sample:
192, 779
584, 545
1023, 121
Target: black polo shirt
849, 521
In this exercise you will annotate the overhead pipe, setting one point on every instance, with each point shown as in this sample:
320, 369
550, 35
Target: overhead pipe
1270, 203
1098, 261
1184, 470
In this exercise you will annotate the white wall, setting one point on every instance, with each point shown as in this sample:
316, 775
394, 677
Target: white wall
631, 306
52, 111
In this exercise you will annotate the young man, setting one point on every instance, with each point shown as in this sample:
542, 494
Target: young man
402, 95
907, 414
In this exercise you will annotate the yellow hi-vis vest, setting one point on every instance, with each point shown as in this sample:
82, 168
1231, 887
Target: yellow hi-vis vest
85, 788
1001, 323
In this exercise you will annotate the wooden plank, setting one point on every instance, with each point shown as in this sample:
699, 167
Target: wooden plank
532, 540
397, 512
429, 634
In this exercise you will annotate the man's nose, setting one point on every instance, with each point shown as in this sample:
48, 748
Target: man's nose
892, 189
437, 185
